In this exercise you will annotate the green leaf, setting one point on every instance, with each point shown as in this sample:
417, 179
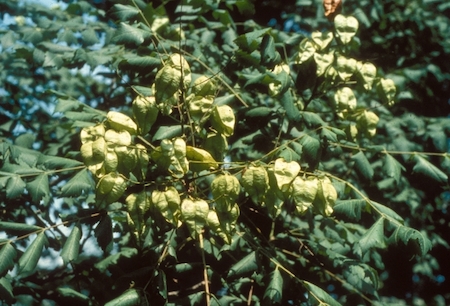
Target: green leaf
114, 259
131, 297
74, 296
39, 188
104, 233
15, 186
29, 259
423, 166
144, 62
405, 234
251, 41
274, 291
350, 208
167, 132
387, 212
269, 55
56, 162
373, 237
245, 266
13, 228
124, 12
71, 248
129, 34
363, 166
80, 184
317, 296
7, 256
311, 150
392, 168
6, 291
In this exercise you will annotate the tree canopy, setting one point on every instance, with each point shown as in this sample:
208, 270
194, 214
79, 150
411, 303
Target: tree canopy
195, 152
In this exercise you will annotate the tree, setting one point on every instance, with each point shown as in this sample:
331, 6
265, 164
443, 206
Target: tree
205, 159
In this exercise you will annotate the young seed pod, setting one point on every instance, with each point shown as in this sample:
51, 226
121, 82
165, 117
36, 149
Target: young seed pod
99, 149
121, 122
225, 190
168, 202
111, 161
204, 86
145, 113
200, 159
194, 214
91, 133
223, 120
115, 138
303, 193
110, 187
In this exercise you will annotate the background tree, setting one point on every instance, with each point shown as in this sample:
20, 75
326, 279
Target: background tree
182, 153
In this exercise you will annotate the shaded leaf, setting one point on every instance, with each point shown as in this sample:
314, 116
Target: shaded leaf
405, 234
129, 34
80, 184
7, 256
71, 248
423, 166
373, 237
245, 266
130, 297
362, 165
114, 259
73, 295
103, 233
13, 228
167, 132
15, 186
274, 291
317, 296
39, 188
387, 212
350, 208
29, 259
392, 168
6, 291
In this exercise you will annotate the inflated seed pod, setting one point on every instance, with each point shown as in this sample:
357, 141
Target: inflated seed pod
110, 187
121, 122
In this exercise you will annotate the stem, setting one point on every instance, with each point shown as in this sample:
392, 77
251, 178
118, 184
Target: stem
205, 271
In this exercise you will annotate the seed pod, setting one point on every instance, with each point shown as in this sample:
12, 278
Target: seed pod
303, 192
168, 204
217, 145
200, 159
194, 214
223, 120
111, 161
203, 87
326, 197
115, 138
225, 190
145, 113
367, 123
86, 152
121, 122
199, 108
99, 149
255, 181
110, 188
91, 133
142, 161
285, 173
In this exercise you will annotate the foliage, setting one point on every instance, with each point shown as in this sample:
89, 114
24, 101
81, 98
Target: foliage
200, 159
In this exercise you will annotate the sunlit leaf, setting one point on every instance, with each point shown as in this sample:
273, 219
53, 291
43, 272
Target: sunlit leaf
130, 297
363, 166
350, 208
317, 296
245, 266
373, 237
6, 291
423, 166
73, 295
274, 291
80, 184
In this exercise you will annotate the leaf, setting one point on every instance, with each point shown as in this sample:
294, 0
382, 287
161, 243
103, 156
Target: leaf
167, 132
78, 185
423, 166
311, 150
104, 234
317, 296
405, 234
350, 208
387, 212
56, 162
129, 34
74, 296
13, 228
6, 291
269, 55
7, 256
373, 237
71, 248
274, 291
363, 166
131, 297
245, 266
124, 12
15, 186
392, 168
29, 259
103, 265
39, 188
250, 41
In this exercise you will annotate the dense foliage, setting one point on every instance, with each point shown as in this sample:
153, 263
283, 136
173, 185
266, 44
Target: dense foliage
183, 153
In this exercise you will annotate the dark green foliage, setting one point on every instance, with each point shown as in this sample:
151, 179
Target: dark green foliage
278, 168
